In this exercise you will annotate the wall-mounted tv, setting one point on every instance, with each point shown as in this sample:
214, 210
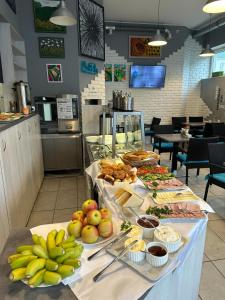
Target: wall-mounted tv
147, 76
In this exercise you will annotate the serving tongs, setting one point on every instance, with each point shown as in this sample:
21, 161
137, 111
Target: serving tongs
121, 254
115, 240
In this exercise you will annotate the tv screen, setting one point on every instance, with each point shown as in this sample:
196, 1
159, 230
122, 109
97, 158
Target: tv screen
147, 76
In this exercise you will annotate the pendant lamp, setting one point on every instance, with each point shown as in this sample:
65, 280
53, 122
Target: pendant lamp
158, 39
207, 51
63, 16
214, 6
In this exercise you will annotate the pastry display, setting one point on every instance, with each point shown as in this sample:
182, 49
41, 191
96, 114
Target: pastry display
113, 172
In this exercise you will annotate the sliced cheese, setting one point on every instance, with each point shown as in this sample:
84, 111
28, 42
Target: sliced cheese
133, 201
173, 197
123, 198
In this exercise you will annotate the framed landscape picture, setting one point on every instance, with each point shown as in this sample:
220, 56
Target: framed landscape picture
51, 47
120, 72
91, 29
108, 72
43, 9
12, 4
139, 48
54, 73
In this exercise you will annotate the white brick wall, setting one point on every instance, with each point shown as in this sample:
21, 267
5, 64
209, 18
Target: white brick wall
181, 94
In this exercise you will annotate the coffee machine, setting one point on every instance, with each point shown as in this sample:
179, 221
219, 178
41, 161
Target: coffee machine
68, 113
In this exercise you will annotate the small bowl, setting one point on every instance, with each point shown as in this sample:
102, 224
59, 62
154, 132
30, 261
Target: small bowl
156, 261
148, 233
135, 256
171, 246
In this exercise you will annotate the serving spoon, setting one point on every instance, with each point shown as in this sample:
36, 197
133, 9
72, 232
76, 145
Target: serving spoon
134, 212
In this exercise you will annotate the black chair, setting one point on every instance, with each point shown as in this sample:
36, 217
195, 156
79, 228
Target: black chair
163, 147
196, 130
217, 166
196, 119
213, 129
197, 154
149, 128
177, 123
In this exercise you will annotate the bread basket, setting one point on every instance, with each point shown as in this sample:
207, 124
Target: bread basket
151, 161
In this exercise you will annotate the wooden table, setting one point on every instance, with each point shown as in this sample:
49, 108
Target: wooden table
194, 124
174, 138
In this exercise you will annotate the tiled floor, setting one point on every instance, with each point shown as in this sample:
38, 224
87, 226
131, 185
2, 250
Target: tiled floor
59, 197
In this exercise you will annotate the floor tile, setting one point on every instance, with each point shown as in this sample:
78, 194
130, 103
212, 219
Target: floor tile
63, 215
39, 218
214, 216
212, 285
218, 227
50, 185
69, 183
66, 199
82, 190
214, 246
220, 264
216, 190
45, 201
205, 258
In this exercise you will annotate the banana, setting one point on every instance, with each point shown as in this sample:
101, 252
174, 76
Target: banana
17, 274
51, 240
37, 279
72, 262
42, 242
71, 238
39, 251
57, 251
27, 252
59, 237
52, 278
51, 265
78, 249
68, 254
65, 270
13, 257
23, 248
35, 239
67, 245
35, 266
22, 261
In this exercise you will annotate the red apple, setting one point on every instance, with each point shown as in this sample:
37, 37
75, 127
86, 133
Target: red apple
89, 234
105, 228
106, 213
89, 205
94, 217
85, 222
78, 215
74, 228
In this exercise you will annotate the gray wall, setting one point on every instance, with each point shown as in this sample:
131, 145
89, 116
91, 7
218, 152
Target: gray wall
119, 41
216, 37
6, 14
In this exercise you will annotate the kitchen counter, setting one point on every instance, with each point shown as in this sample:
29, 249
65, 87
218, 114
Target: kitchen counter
7, 124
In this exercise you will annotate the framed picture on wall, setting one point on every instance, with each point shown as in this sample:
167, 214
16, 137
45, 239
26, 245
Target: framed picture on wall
51, 47
120, 71
91, 29
54, 73
12, 4
139, 48
108, 72
43, 9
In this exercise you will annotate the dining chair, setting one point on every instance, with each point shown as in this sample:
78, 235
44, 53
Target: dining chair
196, 156
163, 147
177, 123
217, 166
196, 130
150, 127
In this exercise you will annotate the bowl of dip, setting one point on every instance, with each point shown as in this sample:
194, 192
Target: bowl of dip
144, 221
169, 237
134, 253
157, 254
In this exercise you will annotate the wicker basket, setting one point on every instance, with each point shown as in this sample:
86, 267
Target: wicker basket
152, 161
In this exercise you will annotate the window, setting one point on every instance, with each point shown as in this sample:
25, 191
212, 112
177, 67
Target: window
218, 61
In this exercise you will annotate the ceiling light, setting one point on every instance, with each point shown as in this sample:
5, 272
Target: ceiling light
214, 6
62, 16
207, 52
158, 40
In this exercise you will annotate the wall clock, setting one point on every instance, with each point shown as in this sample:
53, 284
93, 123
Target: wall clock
91, 29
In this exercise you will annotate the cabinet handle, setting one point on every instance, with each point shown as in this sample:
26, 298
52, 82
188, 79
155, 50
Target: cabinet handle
3, 145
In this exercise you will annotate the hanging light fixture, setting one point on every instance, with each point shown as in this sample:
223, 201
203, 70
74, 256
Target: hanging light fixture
62, 16
207, 51
214, 6
158, 39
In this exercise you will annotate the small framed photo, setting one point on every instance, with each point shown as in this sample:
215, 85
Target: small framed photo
51, 47
54, 73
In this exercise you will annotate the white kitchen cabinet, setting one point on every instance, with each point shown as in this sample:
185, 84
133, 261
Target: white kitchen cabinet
4, 222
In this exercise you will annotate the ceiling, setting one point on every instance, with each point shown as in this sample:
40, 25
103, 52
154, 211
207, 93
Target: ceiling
174, 12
